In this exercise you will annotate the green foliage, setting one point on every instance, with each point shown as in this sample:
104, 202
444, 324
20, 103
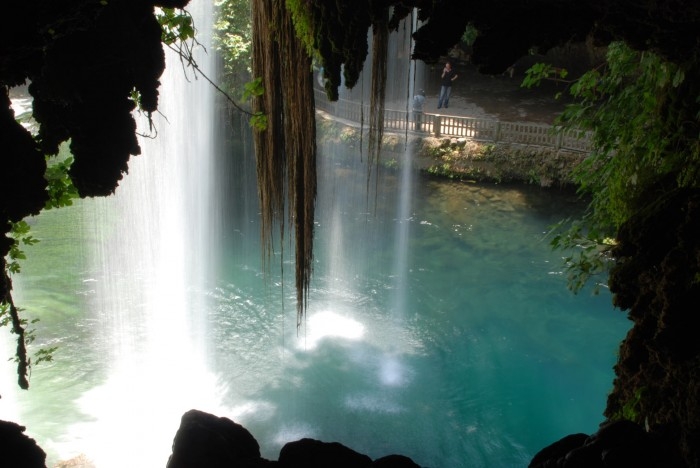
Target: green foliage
645, 131
350, 136
543, 71
587, 253
20, 234
136, 97
442, 170
179, 35
251, 90
10, 315
470, 34
258, 121
233, 41
303, 25
644, 117
391, 164
6, 319
44, 355
176, 25
631, 410
62, 192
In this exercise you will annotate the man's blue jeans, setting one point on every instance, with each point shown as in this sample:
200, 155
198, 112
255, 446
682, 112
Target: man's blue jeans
444, 96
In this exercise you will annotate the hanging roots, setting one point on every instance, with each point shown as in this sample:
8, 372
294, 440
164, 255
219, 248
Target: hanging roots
286, 149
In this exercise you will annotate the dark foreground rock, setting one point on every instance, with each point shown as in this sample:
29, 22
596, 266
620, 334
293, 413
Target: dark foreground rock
17, 449
394, 461
310, 453
619, 444
205, 440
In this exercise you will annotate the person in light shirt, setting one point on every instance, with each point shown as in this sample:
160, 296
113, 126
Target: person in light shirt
418, 101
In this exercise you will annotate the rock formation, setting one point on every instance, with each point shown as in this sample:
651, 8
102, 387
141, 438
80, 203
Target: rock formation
17, 450
205, 440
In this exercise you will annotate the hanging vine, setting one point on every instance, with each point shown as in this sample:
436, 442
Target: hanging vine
380, 35
286, 35
286, 148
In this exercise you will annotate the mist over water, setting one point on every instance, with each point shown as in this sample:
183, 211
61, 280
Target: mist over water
439, 323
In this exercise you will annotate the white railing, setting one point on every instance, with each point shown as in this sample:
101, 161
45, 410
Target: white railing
474, 128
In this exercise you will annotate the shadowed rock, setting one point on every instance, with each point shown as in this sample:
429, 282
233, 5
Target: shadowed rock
207, 440
17, 449
311, 453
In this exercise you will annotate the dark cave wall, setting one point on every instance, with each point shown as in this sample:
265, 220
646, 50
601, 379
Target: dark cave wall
81, 59
657, 279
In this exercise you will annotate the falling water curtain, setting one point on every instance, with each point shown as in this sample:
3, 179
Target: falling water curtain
380, 41
286, 149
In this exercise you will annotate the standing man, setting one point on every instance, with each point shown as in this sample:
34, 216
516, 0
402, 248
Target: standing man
446, 79
418, 101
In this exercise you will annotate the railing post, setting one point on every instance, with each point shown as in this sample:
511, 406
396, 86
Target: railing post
437, 123
560, 137
497, 133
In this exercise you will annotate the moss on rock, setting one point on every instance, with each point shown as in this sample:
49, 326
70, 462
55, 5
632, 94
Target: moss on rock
502, 162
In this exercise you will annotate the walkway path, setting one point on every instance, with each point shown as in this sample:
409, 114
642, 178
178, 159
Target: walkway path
497, 97
482, 108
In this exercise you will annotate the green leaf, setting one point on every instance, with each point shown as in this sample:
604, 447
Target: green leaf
253, 88
259, 121
176, 25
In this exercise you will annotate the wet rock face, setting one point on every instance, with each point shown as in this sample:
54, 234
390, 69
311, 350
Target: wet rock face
17, 449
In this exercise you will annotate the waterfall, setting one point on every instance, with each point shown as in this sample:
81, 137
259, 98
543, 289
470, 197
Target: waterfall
341, 196
156, 239
392, 371
406, 74
439, 321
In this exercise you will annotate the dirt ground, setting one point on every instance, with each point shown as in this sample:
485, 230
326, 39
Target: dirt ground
499, 97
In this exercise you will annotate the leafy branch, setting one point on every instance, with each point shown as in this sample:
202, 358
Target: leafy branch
255, 89
544, 71
589, 253
178, 34
61, 190
644, 129
20, 235
9, 313
61, 193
